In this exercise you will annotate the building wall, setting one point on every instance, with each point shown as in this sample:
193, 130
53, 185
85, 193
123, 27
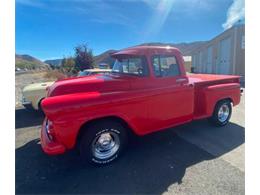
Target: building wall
201, 58
187, 63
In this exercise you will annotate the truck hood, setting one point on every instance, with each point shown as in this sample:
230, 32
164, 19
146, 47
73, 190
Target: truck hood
37, 86
95, 83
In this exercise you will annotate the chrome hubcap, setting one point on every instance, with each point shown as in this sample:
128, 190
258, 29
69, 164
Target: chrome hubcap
105, 145
223, 113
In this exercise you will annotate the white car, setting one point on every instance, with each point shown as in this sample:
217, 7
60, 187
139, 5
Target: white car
34, 93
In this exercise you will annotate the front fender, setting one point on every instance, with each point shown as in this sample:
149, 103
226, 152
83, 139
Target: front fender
70, 112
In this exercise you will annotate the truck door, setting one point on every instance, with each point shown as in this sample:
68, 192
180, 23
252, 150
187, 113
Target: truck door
172, 99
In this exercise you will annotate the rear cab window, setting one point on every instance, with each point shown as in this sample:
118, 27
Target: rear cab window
165, 66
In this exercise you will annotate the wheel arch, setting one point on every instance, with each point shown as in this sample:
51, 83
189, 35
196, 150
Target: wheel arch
223, 99
39, 103
84, 126
219, 100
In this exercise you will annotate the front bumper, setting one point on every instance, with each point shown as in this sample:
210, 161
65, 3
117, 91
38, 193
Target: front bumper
50, 147
26, 103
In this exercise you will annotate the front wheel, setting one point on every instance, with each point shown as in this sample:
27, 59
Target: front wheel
102, 142
222, 113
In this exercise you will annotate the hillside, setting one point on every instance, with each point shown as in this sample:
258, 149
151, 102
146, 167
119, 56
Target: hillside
105, 58
185, 48
56, 62
29, 62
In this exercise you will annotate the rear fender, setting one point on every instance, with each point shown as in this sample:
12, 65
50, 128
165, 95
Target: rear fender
214, 93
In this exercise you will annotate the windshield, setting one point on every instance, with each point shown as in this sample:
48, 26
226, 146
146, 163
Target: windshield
134, 65
83, 73
103, 66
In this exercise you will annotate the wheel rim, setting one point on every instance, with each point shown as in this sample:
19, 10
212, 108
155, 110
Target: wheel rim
223, 113
105, 145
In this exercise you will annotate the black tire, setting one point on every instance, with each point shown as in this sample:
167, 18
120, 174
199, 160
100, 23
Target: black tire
215, 119
29, 107
92, 135
40, 111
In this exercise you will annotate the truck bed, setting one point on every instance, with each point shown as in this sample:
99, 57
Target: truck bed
211, 78
209, 88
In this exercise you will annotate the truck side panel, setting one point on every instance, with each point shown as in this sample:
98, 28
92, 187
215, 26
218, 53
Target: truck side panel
69, 112
208, 96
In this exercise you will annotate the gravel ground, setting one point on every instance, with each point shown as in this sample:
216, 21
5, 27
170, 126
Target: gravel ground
195, 158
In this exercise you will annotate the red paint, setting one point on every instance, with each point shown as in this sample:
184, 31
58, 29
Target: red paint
146, 104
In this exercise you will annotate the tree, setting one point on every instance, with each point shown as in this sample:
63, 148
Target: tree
84, 58
68, 65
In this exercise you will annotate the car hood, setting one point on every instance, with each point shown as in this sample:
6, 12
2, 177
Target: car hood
95, 83
37, 86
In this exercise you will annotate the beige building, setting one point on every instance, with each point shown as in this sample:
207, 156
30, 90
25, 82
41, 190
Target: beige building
224, 54
187, 63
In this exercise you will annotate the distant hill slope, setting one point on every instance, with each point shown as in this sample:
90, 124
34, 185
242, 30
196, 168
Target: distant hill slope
29, 62
105, 58
56, 62
185, 48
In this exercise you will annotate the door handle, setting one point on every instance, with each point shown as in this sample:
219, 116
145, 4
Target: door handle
180, 80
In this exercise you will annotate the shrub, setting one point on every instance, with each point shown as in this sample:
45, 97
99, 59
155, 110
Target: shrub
55, 75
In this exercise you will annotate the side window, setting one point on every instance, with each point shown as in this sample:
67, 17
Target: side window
165, 66
156, 66
136, 65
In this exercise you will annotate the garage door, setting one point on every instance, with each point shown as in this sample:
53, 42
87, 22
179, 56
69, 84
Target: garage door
223, 66
209, 60
200, 62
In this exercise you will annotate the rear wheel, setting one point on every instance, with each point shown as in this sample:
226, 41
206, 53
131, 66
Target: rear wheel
222, 113
102, 142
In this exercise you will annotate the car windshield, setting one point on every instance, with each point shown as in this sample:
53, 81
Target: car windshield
103, 66
132, 65
83, 73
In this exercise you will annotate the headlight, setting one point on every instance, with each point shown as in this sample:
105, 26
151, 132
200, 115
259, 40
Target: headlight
49, 129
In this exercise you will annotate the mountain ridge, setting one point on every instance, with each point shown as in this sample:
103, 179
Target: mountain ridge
25, 61
185, 47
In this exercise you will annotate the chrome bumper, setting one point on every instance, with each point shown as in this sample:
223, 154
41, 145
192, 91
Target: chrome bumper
25, 102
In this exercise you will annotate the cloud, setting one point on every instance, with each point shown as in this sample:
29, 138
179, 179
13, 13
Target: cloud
235, 13
99, 11
184, 5
32, 3
103, 12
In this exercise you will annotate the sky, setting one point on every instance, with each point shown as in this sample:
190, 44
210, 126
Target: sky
50, 29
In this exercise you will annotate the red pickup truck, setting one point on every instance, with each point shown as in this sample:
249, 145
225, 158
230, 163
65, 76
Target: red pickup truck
148, 90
